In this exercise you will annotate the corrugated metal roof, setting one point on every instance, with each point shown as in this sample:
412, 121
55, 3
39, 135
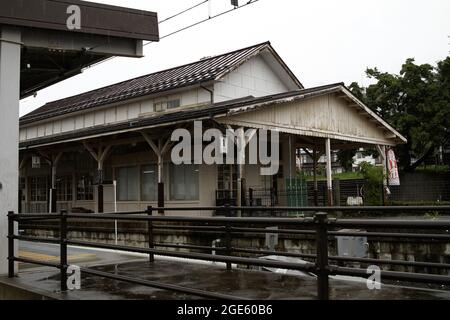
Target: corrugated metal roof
198, 72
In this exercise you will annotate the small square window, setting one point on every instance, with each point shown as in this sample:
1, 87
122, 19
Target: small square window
171, 104
160, 106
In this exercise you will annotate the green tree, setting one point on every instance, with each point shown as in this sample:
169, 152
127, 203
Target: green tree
416, 102
345, 156
373, 195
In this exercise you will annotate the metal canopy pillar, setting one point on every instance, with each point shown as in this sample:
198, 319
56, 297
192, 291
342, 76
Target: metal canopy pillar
329, 172
10, 49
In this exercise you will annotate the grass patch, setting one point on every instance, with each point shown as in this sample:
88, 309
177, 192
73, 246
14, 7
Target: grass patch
340, 176
433, 169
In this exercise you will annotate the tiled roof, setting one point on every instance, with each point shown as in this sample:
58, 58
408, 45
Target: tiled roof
187, 115
198, 72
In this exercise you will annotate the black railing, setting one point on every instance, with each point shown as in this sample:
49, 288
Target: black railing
320, 227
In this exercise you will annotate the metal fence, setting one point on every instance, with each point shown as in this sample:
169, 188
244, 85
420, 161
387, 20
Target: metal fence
319, 227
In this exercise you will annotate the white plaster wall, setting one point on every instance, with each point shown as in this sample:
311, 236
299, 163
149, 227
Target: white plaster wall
125, 112
253, 78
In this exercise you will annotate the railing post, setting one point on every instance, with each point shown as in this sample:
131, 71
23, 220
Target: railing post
322, 255
63, 249
150, 234
11, 244
228, 243
227, 210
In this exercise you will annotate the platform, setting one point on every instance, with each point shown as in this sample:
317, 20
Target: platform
43, 282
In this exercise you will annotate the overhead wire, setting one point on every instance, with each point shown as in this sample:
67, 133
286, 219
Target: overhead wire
189, 26
184, 11
204, 20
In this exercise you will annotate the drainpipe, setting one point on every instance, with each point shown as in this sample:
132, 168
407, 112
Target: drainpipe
211, 93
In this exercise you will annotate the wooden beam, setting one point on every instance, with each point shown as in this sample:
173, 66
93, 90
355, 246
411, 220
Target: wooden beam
151, 143
91, 151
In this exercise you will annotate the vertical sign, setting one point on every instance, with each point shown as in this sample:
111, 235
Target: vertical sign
35, 162
394, 178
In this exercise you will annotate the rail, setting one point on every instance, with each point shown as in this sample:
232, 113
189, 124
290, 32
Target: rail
320, 226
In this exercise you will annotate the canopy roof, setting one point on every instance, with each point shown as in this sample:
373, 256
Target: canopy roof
52, 53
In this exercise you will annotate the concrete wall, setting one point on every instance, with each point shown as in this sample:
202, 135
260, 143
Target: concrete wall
135, 234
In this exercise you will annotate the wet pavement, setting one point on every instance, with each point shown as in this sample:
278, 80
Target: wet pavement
75, 255
206, 276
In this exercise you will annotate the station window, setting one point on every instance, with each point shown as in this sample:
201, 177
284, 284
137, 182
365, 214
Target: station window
64, 189
127, 183
149, 183
167, 104
22, 188
38, 189
174, 103
85, 188
184, 182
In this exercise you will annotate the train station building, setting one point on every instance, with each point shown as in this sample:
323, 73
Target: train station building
110, 149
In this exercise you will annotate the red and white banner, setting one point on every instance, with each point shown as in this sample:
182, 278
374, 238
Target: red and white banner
394, 178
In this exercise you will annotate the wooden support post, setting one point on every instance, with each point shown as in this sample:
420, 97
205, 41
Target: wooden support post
53, 161
160, 150
242, 140
100, 157
316, 186
329, 172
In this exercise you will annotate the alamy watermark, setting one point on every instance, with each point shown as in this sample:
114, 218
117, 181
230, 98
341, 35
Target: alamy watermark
73, 22
374, 280
73, 277
229, 148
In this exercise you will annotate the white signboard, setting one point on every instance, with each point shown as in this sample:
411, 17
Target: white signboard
394, 178
35, 162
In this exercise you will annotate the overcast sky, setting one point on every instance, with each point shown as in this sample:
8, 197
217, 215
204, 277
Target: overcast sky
322, 41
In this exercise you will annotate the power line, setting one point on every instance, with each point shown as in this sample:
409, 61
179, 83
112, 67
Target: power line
205, 20
184, 11
189, 26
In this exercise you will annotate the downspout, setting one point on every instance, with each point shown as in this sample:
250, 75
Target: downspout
211, 93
